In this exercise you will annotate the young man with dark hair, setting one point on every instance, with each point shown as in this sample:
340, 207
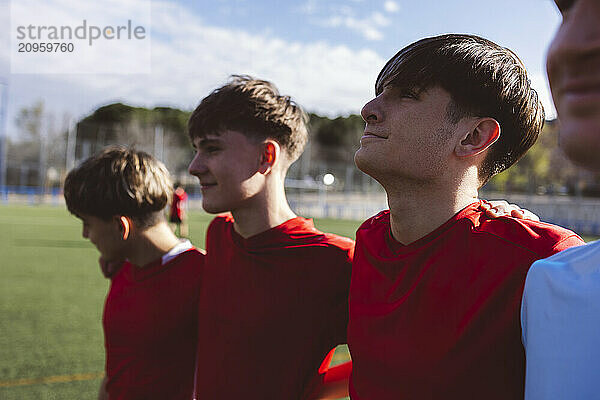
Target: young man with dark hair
561, 303
274, 299
150, 316
436, 285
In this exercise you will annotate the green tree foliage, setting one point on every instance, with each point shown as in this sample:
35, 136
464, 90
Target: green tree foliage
336, 139
29, 121
338, 132
543, 169
333, 141
114, 117
39, 146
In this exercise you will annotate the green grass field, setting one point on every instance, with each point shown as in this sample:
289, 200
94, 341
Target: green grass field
51, 298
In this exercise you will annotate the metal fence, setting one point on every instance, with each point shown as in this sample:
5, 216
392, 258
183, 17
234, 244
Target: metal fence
577, 213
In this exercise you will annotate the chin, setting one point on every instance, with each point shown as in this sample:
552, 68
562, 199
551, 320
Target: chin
361, 160
214, 208
365, 162
580, 140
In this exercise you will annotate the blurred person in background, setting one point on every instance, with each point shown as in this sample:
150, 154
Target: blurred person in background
177, 212
561, 303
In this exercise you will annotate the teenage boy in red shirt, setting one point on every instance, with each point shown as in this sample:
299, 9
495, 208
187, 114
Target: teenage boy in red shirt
436, 285
150, 316
274, 297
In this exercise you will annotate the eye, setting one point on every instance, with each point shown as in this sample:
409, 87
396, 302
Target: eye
212, 149
403, 92
409, 94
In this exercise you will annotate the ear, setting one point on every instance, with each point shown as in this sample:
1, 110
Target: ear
479, 138
125, 225
270, 154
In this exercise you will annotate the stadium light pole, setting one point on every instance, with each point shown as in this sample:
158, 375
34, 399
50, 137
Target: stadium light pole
43, 156
71, 142
326, 180
158, 142
3, 152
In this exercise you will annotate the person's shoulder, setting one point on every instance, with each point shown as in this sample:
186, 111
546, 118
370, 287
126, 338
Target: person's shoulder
194, 259
195, 253
538, 237
339, 246
568, 276
184, 251
220, 222
341, 242
301, 234
588, 254
187, 265
306, 234
379, 220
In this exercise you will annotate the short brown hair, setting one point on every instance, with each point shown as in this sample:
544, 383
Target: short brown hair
119, 181
483, 79
254, 108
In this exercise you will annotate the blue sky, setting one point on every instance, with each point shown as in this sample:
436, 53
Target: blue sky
326, 54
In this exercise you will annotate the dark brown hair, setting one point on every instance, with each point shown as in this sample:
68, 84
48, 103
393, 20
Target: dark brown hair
119, 181
254, 108
483, 79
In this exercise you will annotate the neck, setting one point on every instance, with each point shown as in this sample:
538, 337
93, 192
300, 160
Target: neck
418, 209
151, 243
266, 210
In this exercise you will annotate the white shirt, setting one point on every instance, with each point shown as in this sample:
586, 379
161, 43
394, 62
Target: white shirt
560, 317
182, 246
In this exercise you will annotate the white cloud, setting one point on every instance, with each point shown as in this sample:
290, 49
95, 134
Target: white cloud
391, 6
379, 19
344, 16
368, 27
359, 26
309, 7
320, 76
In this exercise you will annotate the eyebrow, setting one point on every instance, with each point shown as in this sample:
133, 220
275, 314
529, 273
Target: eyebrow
203, 142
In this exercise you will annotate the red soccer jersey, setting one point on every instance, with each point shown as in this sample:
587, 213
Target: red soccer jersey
439, 318
150, 329
271, 308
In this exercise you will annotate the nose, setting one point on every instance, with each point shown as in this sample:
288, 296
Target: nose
370, 113
197, 165
579, 34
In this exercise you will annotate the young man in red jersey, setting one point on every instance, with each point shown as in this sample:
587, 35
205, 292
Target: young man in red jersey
274, 297
436, 285
150, 316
